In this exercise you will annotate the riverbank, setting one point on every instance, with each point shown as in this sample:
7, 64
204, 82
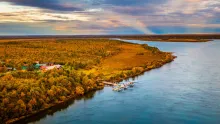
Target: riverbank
170, 40
94, 60
178, 92
41, 112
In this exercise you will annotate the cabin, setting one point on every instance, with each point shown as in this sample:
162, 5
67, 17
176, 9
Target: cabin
36, 65
10, 68
49, 66
24, 67
5, 69
53, 67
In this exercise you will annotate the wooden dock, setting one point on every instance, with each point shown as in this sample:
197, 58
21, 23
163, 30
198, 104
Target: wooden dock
109, 83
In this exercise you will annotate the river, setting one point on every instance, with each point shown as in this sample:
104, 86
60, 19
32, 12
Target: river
184, 91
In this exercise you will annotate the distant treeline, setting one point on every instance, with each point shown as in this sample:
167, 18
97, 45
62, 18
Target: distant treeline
164, 36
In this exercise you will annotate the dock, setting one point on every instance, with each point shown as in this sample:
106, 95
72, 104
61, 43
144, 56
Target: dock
109, 83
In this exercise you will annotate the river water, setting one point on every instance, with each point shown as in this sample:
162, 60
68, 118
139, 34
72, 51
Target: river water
186, 91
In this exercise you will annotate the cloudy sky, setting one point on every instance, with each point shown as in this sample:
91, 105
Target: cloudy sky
74, 17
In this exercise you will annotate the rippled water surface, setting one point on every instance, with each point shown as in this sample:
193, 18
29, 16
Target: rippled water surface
186, 91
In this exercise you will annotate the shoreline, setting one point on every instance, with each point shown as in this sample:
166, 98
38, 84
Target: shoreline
60, 103
145, 70
171, 40
70, 98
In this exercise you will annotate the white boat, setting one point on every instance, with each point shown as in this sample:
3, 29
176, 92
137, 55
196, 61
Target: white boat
120, 87
117, 89
131, 84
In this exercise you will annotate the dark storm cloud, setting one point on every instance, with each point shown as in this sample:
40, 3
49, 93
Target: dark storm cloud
46, 4
129, 7
128, 2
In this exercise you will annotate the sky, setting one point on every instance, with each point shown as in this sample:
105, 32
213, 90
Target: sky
94, 17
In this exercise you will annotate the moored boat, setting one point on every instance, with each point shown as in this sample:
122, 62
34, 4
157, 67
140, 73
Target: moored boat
120, 87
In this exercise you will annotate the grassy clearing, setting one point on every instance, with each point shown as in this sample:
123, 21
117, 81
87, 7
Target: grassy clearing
132, 60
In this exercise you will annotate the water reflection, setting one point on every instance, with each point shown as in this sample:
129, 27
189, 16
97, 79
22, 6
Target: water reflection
58, 108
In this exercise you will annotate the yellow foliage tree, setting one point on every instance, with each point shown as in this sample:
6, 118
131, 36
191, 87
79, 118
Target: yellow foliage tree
79, 90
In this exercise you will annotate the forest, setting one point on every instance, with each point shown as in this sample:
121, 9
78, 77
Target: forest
85, 63
77, 53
